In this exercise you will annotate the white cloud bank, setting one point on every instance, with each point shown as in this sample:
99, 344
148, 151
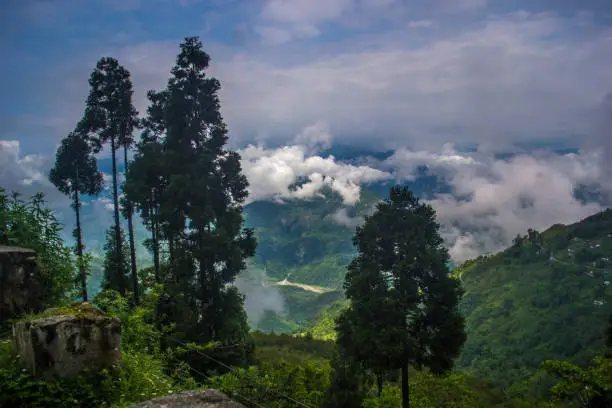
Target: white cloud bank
273, 172
492, 200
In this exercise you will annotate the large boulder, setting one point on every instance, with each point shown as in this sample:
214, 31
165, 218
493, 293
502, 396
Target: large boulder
191, 399
19, 290
62, 342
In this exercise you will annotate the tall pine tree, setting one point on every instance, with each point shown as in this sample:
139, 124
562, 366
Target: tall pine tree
146, 179
400, 288
111, 117
199, 201
76, 172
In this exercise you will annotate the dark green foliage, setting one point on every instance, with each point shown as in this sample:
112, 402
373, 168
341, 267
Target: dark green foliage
271, 347
347, 383
276, 385
115, 272
591, 385
609, 333
76, 172
31, 224
404, 304
111, 117
142, 375
193, 201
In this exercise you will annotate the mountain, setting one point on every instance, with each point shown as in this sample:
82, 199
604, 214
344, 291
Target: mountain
543, 298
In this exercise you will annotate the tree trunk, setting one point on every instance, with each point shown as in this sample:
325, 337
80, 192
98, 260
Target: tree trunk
131, 237
379, 383
79, 237
405, 387
118, 252
154, 237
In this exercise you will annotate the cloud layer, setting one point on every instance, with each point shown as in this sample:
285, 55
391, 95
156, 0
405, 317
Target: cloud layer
491, 199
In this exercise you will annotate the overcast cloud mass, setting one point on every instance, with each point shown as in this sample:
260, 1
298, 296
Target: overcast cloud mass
427, 80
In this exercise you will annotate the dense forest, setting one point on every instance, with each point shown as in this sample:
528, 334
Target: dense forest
403, 330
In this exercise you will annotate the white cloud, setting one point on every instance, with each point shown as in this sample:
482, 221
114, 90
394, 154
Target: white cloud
26, 174
342, 217
315, 137
504, 80
271, 172
493, 200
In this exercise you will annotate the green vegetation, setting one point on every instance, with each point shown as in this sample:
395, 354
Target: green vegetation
403, 303
538, 300
301, 307
110, 116
535, 315
30, 224
76, 172
303, 241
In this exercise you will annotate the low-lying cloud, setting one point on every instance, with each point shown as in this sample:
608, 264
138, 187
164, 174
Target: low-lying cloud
259, 297
273, 173
490, 201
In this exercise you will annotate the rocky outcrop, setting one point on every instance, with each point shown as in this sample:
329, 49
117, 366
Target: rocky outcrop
63, 342
191, 399
19, 289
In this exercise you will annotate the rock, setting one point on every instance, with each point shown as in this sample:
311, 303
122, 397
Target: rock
62, 342
19, 289
191, 399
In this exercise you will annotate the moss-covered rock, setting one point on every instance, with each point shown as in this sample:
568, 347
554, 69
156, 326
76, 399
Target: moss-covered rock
63, 342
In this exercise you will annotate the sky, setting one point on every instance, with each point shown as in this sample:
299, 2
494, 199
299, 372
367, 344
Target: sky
424, 79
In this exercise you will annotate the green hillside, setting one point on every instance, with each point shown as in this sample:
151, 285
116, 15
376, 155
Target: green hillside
546, 297
301, 307
306, 241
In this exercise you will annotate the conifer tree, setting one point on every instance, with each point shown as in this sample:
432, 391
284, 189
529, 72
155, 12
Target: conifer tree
199, 198
115, 272
347, 383
404, 304
146, 179
76, 172
111, 117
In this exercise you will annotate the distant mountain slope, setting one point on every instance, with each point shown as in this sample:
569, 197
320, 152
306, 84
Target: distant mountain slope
546, 297
307, 240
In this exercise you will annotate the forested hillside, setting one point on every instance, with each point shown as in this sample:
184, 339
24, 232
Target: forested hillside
546, 297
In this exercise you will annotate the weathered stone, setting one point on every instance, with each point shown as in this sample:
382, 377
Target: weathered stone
19, 290
191, 399
62, 342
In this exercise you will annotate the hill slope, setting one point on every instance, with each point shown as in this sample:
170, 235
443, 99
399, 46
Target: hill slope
546, 297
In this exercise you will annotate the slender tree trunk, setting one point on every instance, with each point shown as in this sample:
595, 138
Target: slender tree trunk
154, 237
379, 383
405, 387
118, 252
131, 237
79, 237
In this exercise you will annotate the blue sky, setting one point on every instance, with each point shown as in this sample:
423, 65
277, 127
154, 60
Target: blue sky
422, 78
311, 56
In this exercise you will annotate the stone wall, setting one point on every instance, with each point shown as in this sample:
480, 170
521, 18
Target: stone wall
19, 289
63, 342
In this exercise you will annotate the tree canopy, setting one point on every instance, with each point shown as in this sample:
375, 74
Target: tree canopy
404, 303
